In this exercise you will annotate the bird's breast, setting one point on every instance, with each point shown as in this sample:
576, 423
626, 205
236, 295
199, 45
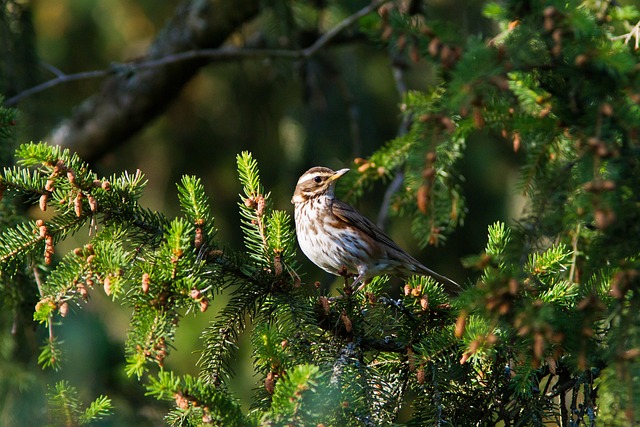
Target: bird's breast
329, 242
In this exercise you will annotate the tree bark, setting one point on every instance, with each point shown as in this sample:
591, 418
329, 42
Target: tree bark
129, 99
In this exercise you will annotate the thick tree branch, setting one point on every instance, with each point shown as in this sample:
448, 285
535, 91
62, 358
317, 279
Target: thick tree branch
135, 93
127, 101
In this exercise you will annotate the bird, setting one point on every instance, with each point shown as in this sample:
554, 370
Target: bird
335, 236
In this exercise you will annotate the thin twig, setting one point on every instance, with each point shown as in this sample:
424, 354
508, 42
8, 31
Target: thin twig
36, 275
574, 257
53, 69
65, 78
398, 69
388, 194
224, 53
344, 24
635, 32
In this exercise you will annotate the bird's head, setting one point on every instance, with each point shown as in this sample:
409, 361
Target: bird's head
317, 181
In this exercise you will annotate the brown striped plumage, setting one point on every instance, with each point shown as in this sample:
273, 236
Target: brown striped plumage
334, 235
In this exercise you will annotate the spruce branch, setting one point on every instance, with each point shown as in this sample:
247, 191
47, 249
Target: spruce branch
196, 206
268, 234
292, 398
98, 409
195, 401
66, 409
219, 339
253, 208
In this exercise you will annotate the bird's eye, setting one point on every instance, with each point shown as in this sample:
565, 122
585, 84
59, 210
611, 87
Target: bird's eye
317, 180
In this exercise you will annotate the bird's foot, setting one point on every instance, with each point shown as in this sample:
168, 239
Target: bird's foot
348, 287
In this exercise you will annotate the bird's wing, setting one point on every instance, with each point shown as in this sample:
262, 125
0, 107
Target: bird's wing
349, 215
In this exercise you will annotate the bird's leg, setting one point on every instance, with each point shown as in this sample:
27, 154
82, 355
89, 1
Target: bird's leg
348, 288
363, 284
360, 280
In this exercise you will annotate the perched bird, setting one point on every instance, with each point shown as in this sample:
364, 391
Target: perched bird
333, 235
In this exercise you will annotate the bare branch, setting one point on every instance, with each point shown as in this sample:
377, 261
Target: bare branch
398, 69
140, 90
345, 23
133, 96
223, 53
60, 78
634, 33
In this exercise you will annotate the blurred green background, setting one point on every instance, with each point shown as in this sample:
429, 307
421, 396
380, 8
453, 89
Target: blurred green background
289, 115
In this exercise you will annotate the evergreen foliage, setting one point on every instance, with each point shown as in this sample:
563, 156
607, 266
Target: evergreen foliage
65, 408
546, 331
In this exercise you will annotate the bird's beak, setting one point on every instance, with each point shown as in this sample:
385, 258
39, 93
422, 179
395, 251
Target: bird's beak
339, 174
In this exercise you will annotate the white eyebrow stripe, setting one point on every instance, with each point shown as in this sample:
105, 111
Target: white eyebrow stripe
304, 178
310, 176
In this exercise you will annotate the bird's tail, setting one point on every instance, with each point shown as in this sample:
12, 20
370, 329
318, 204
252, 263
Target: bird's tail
451, 287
